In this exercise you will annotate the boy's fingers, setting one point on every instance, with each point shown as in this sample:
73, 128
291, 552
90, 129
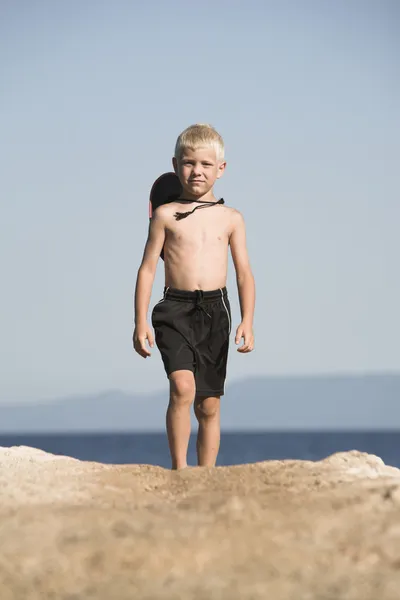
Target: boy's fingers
239, 335
247, 345
250, 343
139, 343
150, 339
143, 350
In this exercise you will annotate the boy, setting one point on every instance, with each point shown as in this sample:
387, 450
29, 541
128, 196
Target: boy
192, 322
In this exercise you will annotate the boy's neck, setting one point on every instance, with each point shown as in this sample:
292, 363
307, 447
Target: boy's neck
208, 197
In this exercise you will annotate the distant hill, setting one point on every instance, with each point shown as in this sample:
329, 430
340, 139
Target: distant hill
315, 402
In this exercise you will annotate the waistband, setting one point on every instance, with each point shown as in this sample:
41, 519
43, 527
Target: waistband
195, 296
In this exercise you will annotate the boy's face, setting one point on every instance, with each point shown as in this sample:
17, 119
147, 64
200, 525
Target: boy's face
198, 170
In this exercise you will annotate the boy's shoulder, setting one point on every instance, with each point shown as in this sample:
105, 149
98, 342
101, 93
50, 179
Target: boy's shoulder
236, 215
164, 213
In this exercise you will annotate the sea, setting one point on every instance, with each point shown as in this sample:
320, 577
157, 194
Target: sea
236, 447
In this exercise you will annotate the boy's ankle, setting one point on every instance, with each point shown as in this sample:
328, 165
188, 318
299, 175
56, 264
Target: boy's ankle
177, 466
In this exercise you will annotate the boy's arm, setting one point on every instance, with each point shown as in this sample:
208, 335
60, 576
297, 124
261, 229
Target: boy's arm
144, 283
245, 283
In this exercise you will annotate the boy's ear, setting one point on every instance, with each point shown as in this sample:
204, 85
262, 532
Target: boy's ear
175, 165
221, 169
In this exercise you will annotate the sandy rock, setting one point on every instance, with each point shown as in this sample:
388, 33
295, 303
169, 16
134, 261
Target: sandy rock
275, 530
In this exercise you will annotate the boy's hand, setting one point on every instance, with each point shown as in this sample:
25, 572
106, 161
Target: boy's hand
140, 335
245, 331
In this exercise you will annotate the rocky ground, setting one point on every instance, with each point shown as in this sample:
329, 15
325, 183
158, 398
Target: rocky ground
276, 530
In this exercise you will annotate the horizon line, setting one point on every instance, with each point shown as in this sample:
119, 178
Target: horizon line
271, 376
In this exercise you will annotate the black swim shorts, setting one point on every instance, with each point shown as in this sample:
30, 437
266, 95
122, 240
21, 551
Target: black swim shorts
192, 333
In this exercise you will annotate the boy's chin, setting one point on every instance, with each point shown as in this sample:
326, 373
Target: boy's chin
196, 190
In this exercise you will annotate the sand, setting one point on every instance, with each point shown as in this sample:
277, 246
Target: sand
275, 530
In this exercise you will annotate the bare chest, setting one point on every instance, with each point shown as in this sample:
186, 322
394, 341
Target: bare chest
200, 230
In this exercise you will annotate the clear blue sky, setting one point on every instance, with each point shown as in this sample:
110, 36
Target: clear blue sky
93, 96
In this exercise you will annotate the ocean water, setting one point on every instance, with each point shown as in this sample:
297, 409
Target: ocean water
236, 447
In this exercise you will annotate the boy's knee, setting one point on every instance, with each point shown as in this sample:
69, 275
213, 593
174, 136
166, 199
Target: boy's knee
182, 386
206, 408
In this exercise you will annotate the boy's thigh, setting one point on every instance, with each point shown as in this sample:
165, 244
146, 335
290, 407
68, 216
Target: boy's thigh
211, 368
176, 352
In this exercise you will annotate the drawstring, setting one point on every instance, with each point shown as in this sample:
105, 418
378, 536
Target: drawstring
199, 301
203, 204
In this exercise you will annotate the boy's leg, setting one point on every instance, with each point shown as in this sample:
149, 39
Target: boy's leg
207, 411
182, 393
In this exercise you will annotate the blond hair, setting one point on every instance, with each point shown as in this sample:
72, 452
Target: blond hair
197, 136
